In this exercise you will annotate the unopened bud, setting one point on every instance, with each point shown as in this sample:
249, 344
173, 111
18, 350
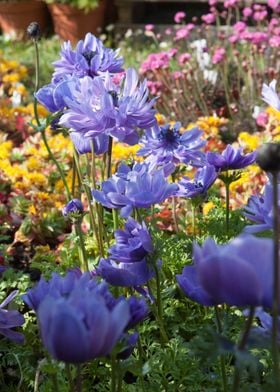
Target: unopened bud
33, 31
268, 157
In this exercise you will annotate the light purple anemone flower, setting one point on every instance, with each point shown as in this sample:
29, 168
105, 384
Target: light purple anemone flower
98, 107
199, 186
239, 273
270, 96
134, 188
125, 274
133, 243
166, 144
260, 210
230, 159
10, 319
90, 58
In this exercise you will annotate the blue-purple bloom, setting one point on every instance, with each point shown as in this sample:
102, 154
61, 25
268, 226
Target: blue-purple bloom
125, 274
260, 210
270, 96
239, 273
133, 243
230, 159
79, 318
134, 188
100, 107
10, 319
199, 186
166, 144
90, 58
73, 208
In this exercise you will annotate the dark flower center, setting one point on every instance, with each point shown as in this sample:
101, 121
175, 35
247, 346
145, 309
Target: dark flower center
89, 55
169, 135
114, 96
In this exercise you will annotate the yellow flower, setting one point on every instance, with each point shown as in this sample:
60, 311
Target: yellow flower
5, 149
33, 163
123, 151
248, 141
208, 207
211, 124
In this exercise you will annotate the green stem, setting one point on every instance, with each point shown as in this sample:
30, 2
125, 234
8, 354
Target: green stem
91, 213
227, 207
158, 308
52, 157
43, 132
36, 87
113, 374
82, 249
241, 346
70, 379
193, 219
275, 304
222, 359
109, 158
79, 383
115, 213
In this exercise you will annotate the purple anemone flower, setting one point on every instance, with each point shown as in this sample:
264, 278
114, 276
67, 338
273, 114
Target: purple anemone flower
79, 318
100, 107
230, 159
125, 274
10, 319
234, 273
73, 207
133, 243
270, 96
260, 211
134, 188
199, 186
81, 327
166, 144
90, 58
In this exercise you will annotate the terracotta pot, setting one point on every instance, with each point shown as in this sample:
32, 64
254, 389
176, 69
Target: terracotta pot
17, 15
72, 24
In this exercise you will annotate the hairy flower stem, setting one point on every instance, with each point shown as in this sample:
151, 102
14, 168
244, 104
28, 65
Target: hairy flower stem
82, 249
109, 158
174, 214
69, 377
43, 131
227, 207
241, 345
115, 218
193, 219
159, 311
113, 374
222, 359
79, 382
275, 304
91, 213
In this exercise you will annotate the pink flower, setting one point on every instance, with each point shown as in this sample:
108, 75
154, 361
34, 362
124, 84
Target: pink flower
168, 31
184, 58
218, 56
149, 27
182, 33
273, 4
177, 75
208, 18
230, 3
172, 52
239, 27
212, 3
179, 17
247, 11
274, 41
154, 87
262, 119
258, 16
